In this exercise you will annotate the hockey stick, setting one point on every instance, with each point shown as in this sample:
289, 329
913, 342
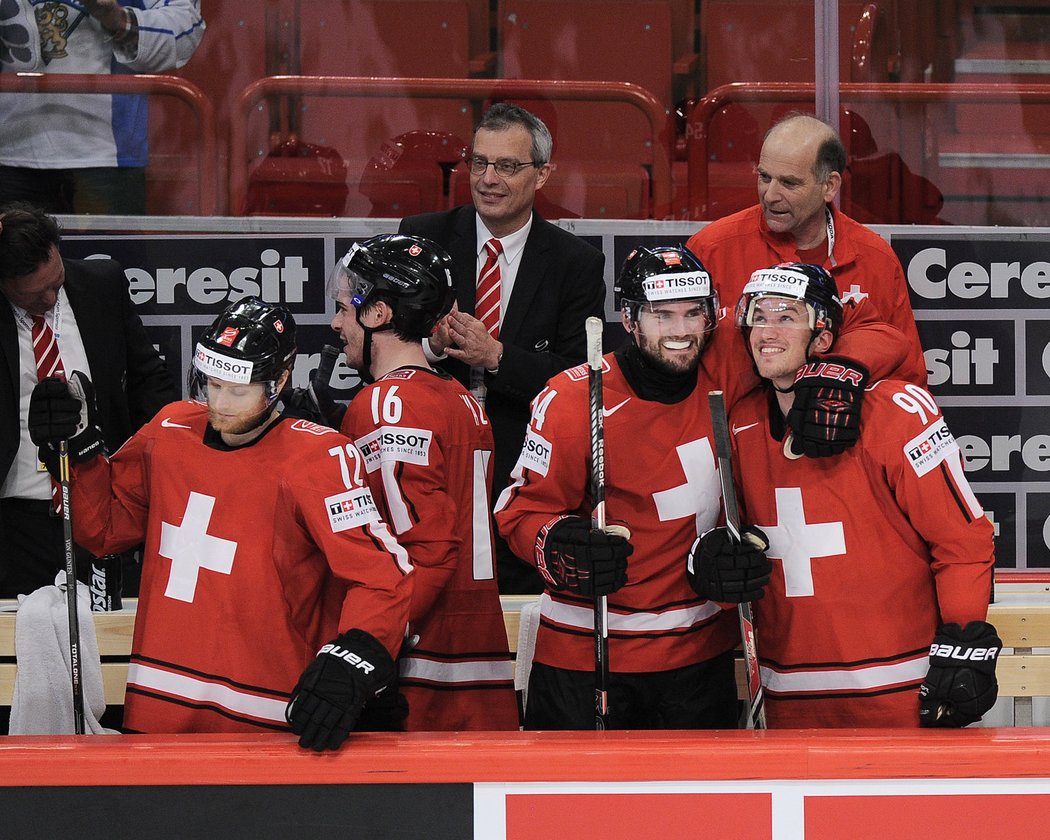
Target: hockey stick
71, 591
755, 713
601, 602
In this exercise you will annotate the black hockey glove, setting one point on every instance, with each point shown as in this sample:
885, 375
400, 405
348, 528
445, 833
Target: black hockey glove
315, 402
825, 416
570, 555
65, 411
720, 569
960, 685
348, 673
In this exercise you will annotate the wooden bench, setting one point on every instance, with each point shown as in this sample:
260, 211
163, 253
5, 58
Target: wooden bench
1023, 673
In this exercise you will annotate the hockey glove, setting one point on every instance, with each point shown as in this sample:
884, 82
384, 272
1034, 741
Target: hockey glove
572, 556
315, 403
720, 569
347, 674
825, 416
65, 411
960, 685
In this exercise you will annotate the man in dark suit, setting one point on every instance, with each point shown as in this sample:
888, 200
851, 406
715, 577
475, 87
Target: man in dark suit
86, 307
530, 326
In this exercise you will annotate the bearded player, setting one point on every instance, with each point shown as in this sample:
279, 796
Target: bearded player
877, 551
426, 444
265, 556
670, 652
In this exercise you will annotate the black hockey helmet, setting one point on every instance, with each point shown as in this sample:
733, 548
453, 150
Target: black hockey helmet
251, 341
664, 273
796, 281
413, 275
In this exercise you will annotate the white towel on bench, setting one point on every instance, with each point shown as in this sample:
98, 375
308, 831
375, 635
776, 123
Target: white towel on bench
42, 701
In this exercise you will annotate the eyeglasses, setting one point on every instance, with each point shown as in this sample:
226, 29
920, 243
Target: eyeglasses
504, 167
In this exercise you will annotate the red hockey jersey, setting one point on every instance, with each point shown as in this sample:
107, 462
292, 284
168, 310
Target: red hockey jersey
661, 481
427, 450
254, 558
871, 550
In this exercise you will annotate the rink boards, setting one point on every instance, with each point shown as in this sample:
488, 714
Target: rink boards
858, 784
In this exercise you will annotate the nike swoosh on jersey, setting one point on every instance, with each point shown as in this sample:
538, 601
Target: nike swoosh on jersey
168, 424
609, 412
738, 429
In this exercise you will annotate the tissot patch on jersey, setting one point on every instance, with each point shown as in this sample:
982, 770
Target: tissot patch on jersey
351, 509
926, 450
536, 452
401, 373
395, 443
579, 373
312, 428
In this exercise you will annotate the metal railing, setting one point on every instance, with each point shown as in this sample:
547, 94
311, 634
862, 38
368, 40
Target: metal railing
208, 184
699, 127
475, 89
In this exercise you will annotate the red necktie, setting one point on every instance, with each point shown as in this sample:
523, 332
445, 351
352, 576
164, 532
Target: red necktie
486, 308
48, 363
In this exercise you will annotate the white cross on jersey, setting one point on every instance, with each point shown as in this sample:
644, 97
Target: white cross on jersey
854, 294
699, 496
191, 548
796, 542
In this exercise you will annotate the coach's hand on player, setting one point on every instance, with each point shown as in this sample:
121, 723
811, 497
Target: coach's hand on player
440, 338
825, 415
723, 570
347, 674
960, 685
572, 556
60, 410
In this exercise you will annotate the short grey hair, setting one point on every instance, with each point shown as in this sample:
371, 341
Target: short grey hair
504, 115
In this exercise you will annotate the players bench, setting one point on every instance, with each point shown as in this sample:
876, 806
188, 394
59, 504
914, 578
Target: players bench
1023, 671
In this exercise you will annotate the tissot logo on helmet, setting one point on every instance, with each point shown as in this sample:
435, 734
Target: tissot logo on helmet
670, 286
773, 281
222, 367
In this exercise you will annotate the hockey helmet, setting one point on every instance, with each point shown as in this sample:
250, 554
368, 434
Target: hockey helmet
251, 341
811, 284
661, 274
413, 275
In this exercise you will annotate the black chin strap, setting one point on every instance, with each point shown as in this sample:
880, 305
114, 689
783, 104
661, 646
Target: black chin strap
366, 351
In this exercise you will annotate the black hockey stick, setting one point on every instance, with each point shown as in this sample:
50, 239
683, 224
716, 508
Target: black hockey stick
601, 602
755, 713
71, 591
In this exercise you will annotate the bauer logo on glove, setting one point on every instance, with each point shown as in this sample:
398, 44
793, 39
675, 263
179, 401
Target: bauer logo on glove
825, 415
960, 685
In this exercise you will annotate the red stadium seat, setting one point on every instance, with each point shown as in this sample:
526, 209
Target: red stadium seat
602, 149
767, 40
384, 38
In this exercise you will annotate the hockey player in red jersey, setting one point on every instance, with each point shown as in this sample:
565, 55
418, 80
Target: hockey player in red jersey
876, 551
427, 456
670, 652
265, 555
